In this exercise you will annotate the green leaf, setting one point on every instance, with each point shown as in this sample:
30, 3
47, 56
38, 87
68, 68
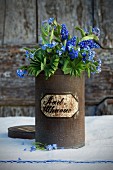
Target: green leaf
52, 35
74, 68
49, 50
81, 31
44, 40
90, 30
44, 32
89, 72
50, 68
92, 36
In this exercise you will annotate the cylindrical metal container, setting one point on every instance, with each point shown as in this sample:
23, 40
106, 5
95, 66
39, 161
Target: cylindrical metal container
60, 110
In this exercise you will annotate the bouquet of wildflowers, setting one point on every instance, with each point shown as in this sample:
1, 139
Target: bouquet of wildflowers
59, 50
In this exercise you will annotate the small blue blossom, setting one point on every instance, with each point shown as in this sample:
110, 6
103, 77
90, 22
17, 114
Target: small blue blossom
73, 54
99, 62
64, 32
50, 20
43, 47
91, 55
59, 52
54, 146
31, 55
63, 48
49, 147
25, 149
53, 44
19, 159
27, 54
98, 69
21, 72
33, 148
96, 31
99, 65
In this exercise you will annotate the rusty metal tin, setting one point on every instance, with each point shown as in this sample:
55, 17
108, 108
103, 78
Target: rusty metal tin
60, 110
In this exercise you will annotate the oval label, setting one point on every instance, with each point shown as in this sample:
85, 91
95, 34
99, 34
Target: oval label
59, 105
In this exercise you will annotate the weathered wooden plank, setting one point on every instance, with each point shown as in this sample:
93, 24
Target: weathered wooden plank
71, 12
17, 111
103, 18
20, 23
14, 91
2, 20
100, 86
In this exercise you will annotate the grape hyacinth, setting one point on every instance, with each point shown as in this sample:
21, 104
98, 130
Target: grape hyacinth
71, 43
64, 32
84, 56
88, 43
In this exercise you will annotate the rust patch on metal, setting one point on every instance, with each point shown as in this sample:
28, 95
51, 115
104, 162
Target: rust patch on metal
59, 105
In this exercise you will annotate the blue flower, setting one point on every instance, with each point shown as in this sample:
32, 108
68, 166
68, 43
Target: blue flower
49, 147
73, 54
33, 148
59, 52
21, 72
43, 47
53, 44
63, 48
99, 62
91, 55
50, 20
64, 32
19, 159
54, 146
29, 55
98, 69
96, 31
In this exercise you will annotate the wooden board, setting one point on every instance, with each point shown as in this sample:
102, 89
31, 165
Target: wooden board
103, 18
20, 22
2, 20
72, 13
17, 95
23, 132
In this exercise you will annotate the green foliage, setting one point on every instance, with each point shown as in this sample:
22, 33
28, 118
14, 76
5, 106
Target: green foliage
74, 68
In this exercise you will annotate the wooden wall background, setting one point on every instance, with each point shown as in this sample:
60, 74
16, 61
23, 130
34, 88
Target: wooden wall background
19, 27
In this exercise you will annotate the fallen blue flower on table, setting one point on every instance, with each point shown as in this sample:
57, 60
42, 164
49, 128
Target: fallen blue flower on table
51, 147
33, 148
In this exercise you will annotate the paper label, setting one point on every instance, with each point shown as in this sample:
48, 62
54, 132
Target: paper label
59, 105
